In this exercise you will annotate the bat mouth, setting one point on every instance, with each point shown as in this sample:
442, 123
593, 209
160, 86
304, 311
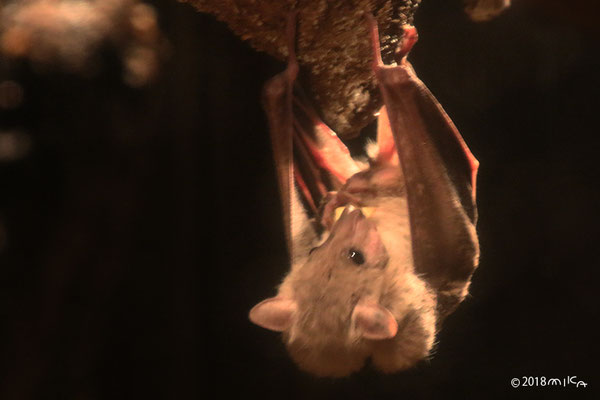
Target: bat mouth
352, 221
365, 211
351, 212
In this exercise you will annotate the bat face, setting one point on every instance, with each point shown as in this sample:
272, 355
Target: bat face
345, 269
343, 305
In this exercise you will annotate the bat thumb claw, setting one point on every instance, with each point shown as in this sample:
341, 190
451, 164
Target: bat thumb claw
408, 40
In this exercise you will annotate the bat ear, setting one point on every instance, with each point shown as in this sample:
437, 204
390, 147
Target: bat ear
275, 314
373, 321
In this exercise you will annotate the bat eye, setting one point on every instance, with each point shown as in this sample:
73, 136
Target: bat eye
312, 250
356, 256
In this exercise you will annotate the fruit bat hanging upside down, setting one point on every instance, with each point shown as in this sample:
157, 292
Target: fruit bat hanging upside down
380, 253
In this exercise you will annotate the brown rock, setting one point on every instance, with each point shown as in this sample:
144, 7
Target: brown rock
333, 47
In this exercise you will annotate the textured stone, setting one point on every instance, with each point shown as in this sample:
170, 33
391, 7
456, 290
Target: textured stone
333, 47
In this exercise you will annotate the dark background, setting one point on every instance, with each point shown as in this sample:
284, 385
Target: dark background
144, 224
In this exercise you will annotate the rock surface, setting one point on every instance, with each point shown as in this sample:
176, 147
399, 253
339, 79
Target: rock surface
333, 47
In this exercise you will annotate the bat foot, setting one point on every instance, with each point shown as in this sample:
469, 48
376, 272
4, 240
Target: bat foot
408, 40
292, 63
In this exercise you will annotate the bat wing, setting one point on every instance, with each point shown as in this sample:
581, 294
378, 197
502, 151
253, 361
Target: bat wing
440, 174
310, 159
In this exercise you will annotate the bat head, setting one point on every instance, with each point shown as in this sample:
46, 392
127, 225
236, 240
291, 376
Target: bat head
328, 308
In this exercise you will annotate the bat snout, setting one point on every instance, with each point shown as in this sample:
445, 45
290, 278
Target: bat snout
351, 215
352, 211
351, 220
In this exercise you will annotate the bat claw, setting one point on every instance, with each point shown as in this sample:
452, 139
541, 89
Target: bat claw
408, 40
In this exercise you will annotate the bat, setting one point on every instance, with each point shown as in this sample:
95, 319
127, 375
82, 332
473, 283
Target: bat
381, 252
